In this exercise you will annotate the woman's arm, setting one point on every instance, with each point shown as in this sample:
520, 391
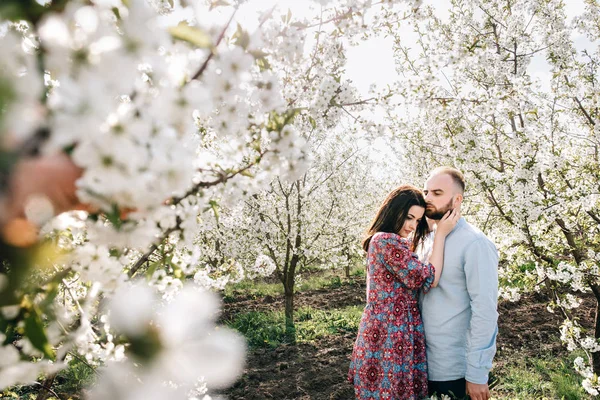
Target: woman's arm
50, 177
400, 262
444, 227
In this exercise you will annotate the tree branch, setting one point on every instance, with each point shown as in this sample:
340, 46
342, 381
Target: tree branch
151, 251
212, 53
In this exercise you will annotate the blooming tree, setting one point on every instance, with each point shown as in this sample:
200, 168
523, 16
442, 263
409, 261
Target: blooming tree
170, 112
316, 221
528, 144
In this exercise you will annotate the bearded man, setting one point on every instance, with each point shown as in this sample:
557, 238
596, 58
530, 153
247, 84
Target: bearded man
460, 315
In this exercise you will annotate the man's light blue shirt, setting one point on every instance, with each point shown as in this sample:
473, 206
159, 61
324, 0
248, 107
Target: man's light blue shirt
460, 315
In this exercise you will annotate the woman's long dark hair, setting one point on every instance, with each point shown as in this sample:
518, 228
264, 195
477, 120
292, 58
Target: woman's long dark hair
393, 212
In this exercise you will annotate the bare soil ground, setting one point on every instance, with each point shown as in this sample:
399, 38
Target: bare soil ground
318, 371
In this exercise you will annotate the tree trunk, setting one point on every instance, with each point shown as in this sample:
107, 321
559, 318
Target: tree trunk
596, 355
348, 262
290, 328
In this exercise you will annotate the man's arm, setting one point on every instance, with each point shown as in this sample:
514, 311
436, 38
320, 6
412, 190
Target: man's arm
481, 272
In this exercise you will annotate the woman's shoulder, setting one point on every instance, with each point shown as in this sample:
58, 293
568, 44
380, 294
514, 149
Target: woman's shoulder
388, 238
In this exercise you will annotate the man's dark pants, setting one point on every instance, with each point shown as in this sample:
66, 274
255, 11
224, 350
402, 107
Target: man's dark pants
455, 389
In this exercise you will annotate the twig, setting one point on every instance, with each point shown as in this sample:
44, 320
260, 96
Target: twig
212, 53
152, 249
223, 178
84, 361
47, 387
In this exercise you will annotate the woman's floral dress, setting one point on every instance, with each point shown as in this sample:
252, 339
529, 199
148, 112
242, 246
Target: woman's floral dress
389, 361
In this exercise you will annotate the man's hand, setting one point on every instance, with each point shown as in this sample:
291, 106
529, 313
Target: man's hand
477, 391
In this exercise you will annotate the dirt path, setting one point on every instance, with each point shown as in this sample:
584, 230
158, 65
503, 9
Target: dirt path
318, 371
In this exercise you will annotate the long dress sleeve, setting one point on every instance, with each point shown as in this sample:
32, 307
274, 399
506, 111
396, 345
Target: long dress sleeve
394, 253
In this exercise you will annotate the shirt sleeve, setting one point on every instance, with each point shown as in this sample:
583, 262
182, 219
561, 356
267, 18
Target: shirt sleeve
481, 271
404, 264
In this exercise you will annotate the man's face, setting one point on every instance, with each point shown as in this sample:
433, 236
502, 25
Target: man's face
440, 195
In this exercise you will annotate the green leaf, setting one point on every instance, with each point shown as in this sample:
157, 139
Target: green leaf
215, 207
114, 216
247, 173
151, 269
178, 273
290, 115
256, 146
218, 3
241, 37
263, 64
191, 35
312, 121
11, 11
116, 11
30, 10
258, 54
8, 328
34, 330
287, 18
299, 25
51, 293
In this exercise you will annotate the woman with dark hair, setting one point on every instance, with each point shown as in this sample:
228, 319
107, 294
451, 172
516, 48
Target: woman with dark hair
388, 360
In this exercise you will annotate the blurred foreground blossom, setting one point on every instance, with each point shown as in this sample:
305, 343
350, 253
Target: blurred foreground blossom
175, 347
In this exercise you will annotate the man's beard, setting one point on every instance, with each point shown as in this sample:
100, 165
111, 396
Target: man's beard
437, 213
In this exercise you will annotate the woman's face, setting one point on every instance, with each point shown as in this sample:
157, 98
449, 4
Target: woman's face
415, 214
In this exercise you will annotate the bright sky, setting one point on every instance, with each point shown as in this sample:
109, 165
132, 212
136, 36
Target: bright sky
371, 62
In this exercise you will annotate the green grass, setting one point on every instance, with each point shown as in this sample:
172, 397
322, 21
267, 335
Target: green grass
540, 378
77, 376
319, 282
260, 329
68, 384
268, 329
253, 289
312, 324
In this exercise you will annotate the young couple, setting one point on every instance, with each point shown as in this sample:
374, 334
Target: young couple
429, 326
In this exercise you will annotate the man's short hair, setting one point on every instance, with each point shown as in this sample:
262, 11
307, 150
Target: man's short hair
455, 174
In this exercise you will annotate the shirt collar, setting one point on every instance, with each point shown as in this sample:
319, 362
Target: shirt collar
461, 222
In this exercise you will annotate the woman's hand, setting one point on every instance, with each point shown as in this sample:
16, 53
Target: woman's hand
51, 176
444, 227
448, 222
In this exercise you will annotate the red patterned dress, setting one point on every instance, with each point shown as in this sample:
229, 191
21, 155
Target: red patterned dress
388, 360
